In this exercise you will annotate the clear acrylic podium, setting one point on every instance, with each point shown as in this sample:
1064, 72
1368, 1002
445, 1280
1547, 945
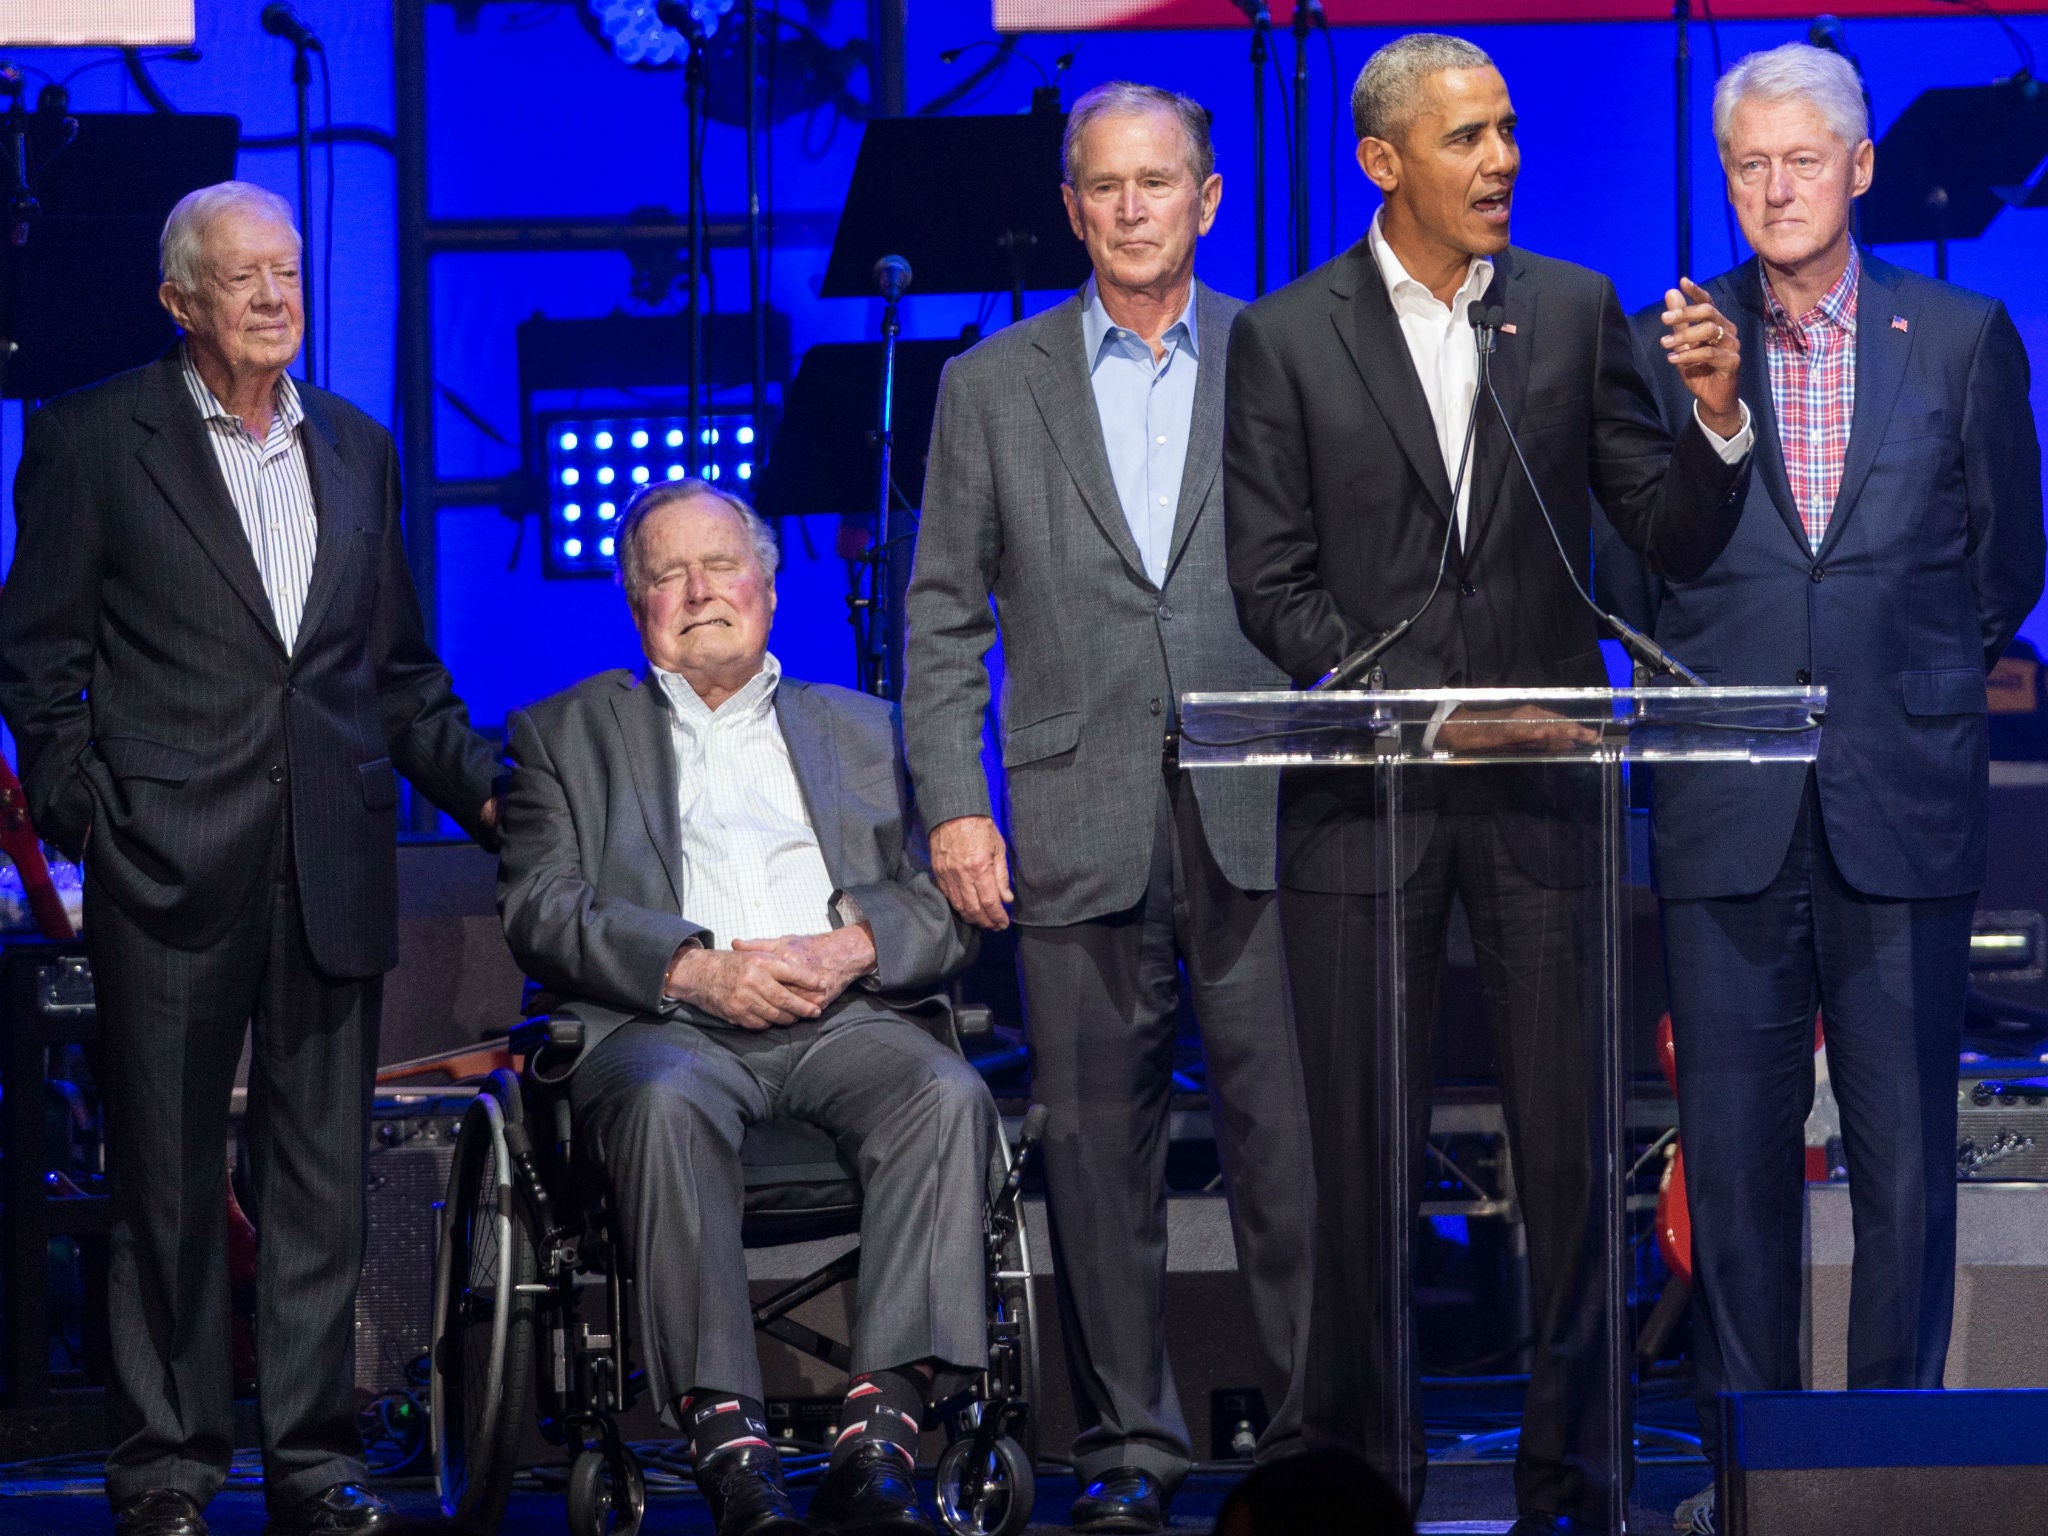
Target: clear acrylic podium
1580, 739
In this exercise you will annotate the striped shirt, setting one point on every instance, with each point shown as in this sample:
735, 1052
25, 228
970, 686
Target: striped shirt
272, 493
1813, 389
752, 868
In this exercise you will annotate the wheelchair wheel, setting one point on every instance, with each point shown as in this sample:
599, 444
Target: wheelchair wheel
601, 1503
1007, 1491
482, 1385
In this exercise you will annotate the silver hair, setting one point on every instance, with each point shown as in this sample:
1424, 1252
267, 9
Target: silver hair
185, 230
1387, 94
668, 493
1117, 98
1795, 72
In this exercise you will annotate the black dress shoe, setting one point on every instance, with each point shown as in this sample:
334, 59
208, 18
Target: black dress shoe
1122, 1499
345, 1509
160, 1512
743, 1485
870, 1494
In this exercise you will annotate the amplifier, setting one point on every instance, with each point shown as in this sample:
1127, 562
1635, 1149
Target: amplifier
2002, 1121
412, 1145
1904, 1463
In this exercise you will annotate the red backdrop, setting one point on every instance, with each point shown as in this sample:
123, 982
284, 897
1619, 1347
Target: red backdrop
1100, 15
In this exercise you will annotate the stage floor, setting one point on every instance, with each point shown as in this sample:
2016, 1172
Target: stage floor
1464, 1498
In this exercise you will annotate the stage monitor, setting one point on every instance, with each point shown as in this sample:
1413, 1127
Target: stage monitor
96, 23
1120, 15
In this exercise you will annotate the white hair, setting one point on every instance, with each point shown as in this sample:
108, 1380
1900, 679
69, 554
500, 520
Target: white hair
668, 493
185, 230
1795, 72
1386, 97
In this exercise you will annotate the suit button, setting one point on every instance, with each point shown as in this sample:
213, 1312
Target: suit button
291, 690
1818, 573
1156, 706
1466, 589
1166, 610
1803, 677
276, 774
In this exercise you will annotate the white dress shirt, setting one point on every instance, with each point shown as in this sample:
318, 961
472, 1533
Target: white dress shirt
1443, 346
751, 865
272, 493
1445, 351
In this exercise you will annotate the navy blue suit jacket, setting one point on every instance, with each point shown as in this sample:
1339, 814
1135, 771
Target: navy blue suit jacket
1932, 558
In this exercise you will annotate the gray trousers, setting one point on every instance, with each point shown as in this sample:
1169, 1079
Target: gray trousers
1102, 998
665, 1106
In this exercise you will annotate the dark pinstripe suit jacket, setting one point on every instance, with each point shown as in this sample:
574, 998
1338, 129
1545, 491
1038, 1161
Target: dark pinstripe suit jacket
154, 704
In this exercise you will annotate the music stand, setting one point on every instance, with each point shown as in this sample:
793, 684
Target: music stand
82, 291
1941, 161
823, 460
1011, 234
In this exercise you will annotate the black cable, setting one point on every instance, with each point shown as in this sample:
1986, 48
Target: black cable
1336, 100
1283, 90
1727, 208
2013, 35
327, 234
346, 133
139, 73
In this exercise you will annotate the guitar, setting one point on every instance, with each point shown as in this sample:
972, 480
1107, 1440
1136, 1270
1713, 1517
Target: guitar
19, 842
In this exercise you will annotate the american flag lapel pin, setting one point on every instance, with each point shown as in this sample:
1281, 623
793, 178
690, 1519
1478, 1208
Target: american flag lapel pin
1508, 329
1899, 323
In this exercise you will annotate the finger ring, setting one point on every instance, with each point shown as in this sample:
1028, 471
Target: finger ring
1720, 334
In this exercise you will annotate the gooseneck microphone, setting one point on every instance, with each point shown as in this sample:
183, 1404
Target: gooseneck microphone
280, 20
1356, 665
1648, 654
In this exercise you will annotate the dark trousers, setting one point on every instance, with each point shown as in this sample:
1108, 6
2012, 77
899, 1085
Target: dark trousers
666, 1105
1101, 998
1888, 978
1527, 939
172, 1022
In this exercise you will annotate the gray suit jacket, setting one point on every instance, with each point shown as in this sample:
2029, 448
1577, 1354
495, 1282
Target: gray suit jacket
1020, 508
589, 884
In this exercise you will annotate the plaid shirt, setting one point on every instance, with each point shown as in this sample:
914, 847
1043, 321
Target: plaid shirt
1813, 390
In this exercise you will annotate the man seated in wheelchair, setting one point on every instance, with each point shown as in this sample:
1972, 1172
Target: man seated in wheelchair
718, 864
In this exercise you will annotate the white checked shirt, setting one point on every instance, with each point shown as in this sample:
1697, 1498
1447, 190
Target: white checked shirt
751, 864
272, 493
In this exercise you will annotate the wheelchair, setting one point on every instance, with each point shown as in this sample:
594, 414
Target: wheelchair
532, 1316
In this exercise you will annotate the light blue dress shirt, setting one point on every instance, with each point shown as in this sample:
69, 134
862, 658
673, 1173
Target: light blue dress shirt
1146, 409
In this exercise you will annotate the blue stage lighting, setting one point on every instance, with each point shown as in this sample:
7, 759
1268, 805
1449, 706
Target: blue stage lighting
575, 445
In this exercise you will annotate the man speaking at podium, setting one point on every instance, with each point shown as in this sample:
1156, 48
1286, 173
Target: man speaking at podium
1351, 503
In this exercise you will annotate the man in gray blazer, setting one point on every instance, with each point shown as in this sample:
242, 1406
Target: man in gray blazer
719, 862
1074, 488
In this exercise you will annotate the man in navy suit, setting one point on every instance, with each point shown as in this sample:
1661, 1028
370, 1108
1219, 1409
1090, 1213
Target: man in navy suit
1890, 545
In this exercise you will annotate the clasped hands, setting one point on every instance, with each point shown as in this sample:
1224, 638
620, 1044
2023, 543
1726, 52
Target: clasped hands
760, 983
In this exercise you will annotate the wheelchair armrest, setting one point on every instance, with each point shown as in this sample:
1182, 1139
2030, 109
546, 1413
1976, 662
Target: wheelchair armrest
556, 1031
974, 1021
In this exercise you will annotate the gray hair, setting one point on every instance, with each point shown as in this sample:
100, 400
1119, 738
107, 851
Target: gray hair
1795, 72
185, 230
1117, 98
1387, 95
667, 493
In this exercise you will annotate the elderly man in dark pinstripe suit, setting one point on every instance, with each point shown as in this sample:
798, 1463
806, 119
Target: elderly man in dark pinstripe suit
211, 656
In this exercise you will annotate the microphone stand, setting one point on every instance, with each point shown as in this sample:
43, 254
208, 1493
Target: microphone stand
1262, 24
879, 637
302, 82
1304, 15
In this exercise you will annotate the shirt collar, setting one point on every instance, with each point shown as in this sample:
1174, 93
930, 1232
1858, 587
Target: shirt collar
1097, 327
1837, 306
755, 698
290, 410
1478, 276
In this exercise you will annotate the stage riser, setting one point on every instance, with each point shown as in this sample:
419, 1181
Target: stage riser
1896, 1501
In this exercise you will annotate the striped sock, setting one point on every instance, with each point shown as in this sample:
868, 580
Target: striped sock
885, 1406
716, 1420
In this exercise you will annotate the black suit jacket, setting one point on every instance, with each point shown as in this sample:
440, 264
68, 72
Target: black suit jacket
1335, 501
143, 676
